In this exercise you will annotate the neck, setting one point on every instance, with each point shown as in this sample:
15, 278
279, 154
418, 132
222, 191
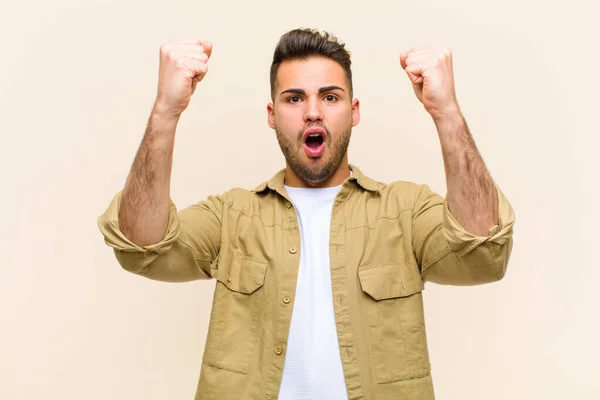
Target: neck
336, 179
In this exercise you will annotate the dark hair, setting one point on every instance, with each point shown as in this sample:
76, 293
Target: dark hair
302, 43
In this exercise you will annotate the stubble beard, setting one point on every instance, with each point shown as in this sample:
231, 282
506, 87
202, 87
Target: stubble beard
307, 171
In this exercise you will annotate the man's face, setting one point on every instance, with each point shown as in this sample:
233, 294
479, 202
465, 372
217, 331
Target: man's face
313, 114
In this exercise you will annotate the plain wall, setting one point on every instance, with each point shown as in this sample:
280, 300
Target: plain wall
77, 82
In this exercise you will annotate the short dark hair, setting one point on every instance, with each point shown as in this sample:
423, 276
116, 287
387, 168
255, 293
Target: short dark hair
302, 43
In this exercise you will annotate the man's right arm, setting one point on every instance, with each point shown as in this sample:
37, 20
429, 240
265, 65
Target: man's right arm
142, 224
144, 208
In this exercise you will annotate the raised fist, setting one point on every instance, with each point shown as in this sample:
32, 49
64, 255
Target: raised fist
182, 65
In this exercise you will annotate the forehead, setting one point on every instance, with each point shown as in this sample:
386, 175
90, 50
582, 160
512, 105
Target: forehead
310, 73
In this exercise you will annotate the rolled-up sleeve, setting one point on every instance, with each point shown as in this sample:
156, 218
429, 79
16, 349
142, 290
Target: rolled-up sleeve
190, 244
450, 255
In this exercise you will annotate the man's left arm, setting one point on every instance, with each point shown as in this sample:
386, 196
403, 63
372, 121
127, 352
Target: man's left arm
467, 237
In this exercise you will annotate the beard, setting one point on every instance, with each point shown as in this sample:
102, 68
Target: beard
293, 152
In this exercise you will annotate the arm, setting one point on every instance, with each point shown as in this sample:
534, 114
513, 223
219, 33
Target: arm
466, 238
449, 254
189, 246
144, 206
472, 197
141, 224
143, 213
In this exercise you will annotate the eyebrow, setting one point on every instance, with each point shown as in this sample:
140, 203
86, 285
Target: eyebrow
321, 90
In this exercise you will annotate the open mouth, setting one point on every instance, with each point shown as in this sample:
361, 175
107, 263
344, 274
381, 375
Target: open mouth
314, 142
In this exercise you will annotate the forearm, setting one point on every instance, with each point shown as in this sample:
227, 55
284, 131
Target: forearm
471, 193
144, 209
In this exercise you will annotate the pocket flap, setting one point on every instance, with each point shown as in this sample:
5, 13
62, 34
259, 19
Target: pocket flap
389, 280
240, 273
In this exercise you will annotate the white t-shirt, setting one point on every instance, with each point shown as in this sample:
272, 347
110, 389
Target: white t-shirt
313, 367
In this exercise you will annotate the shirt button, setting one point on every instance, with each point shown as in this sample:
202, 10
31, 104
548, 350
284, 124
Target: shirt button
288, 204
278, 350
293, 250
286, 299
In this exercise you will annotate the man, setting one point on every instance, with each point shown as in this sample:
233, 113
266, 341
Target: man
320, 270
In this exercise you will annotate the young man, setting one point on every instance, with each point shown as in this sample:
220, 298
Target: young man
320, 270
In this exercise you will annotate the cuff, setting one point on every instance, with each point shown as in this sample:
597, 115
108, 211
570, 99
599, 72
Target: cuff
108, 223
463, 242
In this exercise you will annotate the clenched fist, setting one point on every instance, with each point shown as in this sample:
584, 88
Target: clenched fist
431, 73
182, 65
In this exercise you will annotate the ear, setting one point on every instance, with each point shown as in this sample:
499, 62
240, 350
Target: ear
271, 115
355, 112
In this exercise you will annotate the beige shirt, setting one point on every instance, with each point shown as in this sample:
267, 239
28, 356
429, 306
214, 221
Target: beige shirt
385, 242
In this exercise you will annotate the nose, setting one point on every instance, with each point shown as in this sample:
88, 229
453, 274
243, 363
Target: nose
313, 111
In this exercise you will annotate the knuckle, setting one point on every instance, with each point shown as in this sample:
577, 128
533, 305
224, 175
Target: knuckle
173, 56
166, 48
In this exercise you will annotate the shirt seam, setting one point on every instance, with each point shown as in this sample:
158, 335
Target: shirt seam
435, 258
378, 218
241, 211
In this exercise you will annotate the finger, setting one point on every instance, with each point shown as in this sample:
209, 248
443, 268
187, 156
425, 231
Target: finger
199, 56
414, 74
418, 58
194, 69
181, 57
422, 53
208, 46
403, 57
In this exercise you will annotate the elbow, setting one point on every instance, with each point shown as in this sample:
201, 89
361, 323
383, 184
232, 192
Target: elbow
136, 262
499, 256
467, 270
489, 265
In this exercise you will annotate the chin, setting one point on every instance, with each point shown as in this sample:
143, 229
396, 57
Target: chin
314, 172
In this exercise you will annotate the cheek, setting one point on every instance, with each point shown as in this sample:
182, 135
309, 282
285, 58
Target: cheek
288, 119
340, 117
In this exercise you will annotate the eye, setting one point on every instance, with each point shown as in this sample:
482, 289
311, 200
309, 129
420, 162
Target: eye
293, 99
331, 98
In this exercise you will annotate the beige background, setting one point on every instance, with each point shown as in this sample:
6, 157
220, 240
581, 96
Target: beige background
78, 78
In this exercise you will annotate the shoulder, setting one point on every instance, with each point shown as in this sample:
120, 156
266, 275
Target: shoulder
247, 202
237, 197
406, 195
402, 190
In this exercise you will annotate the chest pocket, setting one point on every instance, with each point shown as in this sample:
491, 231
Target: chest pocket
235, 312
393, 309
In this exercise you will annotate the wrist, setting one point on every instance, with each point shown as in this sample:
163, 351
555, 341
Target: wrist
162, 126
162, 112
452, 131
448, 120
449, 114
